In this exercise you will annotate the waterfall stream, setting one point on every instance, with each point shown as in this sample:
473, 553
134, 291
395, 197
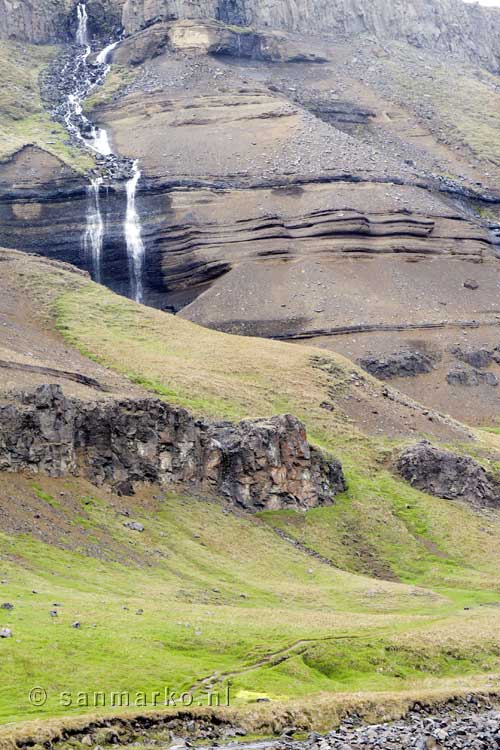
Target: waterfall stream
94, 231
135, 245
84, 76
82, 37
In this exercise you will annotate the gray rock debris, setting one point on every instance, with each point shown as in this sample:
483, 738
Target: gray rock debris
134, 526
471, 378
448, 475
478, 358
464, 729
402, 364
266, 463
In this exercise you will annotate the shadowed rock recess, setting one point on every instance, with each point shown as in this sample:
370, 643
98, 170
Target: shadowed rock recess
448, 475
261, 464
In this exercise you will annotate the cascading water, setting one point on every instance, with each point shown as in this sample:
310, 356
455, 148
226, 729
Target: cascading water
133, 237
93, 238
81, 77
103, 56
82, 36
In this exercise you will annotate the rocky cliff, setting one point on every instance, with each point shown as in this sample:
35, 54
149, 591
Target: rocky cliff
448, 25
263, 464
33, 20
47, 21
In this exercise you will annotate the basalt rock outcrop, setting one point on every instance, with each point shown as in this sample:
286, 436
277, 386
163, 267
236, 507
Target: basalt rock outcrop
469, 377
262, 464
448, 475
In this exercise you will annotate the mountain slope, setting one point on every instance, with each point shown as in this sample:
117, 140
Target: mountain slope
66, 539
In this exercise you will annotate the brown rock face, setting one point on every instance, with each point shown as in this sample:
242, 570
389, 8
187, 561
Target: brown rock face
448, 475
212, 37
264, 464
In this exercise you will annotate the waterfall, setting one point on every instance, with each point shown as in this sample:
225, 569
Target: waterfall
82, 36
102, 57
94, 231
83, 75
100, 142
135, 245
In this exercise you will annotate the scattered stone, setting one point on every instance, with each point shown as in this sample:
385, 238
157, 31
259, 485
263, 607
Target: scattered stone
134, 525
471, 284
5, 633
53, 613
77, 625
7, 605
327, 406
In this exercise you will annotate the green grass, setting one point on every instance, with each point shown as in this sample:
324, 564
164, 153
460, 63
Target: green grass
23, 118
118, 78
302, 627
187, 572
493, 430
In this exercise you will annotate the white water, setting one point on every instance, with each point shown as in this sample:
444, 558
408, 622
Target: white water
94, 232
97, 140
133, 238
82, 35
102, 57
100, 142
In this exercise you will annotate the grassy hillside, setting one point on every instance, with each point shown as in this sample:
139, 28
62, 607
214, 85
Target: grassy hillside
407, 602
23, 118
188, 599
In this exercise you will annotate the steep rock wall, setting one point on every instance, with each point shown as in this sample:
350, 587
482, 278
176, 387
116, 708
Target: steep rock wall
47, 21
257, 464
447, 25
34, 20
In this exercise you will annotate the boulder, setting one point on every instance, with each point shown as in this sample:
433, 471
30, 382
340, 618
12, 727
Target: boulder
477, 358
471, 377
448, 475
134, 526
